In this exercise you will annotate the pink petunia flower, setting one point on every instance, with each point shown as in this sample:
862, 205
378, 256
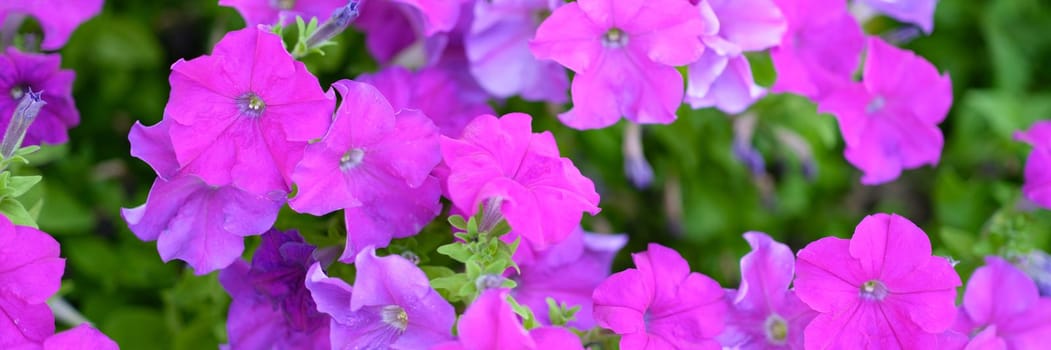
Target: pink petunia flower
435, 91
30, 273
21, 73
880, 289
918, 12
376, 166
764, 313
660, 304
246, 112
58, 18
257, 12
490, 323
394, 26
502, 163
820, 49
1003, 307
624, 53
1038, 167
890, 120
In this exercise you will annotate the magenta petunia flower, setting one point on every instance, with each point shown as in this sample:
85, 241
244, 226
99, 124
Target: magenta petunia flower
890, 120
1038, 166
820, 50
879, 289
434, 91
502, 163
22, 72
722, 76
257, 12
246, 112
272, 308
376, 166
918, 12
490, 323
392, 26
568, 272
660, 304
624, 53
58, 18
498, 48
382, 312
30, 273
764, 313
192, 221
83, 336
1002, 306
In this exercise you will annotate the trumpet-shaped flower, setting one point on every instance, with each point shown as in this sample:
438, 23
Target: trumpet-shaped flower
436, 92
21, 73
624, 53
820, 49
490, 323
1002, 304
660, 304
764, 313
257, 12
501, 162
246, 112
879, 289
1038, 167
890, 120
376, 166
272, 308
30, 273
58, 18
391, 305
393, 26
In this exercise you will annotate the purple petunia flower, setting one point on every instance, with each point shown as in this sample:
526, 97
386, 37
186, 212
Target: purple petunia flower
660, 304
434, 91
722, 77
918, 12
390, 306
246, 112
879, 289
820, 50
376, 166
764, 313
498, 48
1002, 306
624, 53
22, 72
30, 273
490, 323
568, 272
1038, 166
198, 223
58, 18
890, 120
272, 308
257, 12
83, 336
393, 26
502, 163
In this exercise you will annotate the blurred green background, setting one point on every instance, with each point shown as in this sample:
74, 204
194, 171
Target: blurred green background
702, 200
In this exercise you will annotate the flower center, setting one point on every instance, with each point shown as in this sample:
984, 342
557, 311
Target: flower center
351, 159
875, 105
874, 290
776, 329
283, 4
615, 38
251, 104
395, 316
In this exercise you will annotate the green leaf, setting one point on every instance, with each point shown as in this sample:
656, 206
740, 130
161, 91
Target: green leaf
458, 251
22, 184
529, 320
15, 212
458, 222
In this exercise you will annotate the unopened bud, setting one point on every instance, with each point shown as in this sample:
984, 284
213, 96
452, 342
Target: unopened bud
335, 24
26, 111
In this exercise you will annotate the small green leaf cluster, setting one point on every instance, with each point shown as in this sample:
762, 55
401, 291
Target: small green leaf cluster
484, 255
14, 186
304, 30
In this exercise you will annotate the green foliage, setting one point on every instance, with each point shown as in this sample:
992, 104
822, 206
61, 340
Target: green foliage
483, 255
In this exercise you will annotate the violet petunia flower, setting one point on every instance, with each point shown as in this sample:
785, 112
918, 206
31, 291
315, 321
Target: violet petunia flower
434, 91
30, 273
21, 73
660, 304
58, 18
83, 336
624, 53
381, 312
272, 308
1037, 187
889, 121
246, 112
502, 163
192, 221
568, 272
880, 289
394, 26
820, 50
257, 12
918, 12
498, 49
722, 77
376, 166
1003, 307
490, 323
764, 313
